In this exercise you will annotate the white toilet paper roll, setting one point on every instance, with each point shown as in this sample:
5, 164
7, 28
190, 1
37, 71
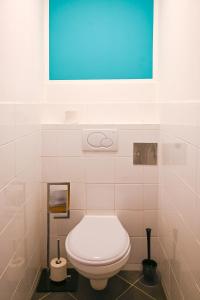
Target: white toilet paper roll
58, 272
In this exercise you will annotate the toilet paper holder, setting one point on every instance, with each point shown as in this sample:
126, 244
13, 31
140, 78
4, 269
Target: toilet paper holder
58, 203
58, 199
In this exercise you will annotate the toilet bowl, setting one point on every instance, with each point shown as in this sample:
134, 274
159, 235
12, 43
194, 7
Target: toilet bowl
98, 247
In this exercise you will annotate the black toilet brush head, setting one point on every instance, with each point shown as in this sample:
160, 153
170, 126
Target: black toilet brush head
149, 265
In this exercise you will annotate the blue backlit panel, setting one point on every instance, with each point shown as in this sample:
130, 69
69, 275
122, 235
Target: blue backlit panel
100, 39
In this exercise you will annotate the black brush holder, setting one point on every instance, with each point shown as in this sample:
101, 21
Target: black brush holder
149, 265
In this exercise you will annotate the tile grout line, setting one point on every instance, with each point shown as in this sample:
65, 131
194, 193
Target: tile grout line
44, 296
139, 278
144, 293
72, 296
124, 292
124, 279
133, 285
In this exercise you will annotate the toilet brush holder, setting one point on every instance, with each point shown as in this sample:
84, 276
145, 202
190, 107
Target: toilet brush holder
150, 276
149, 265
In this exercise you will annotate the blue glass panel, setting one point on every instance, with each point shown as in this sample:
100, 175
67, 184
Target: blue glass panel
100, 39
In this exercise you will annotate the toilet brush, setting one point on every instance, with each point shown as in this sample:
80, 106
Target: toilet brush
150, 276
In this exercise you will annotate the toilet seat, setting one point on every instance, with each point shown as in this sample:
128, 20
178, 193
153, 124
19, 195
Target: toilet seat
98, 240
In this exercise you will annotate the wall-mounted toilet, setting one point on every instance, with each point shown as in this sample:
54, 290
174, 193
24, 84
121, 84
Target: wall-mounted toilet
98, 247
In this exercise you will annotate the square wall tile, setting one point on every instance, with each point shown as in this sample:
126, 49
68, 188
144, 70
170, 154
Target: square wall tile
128, 137
64, 226
126, 172
24, 287
8, 245
184, 199
99, 170
57, 169
13, 274
77, 195
189, 286
197, 219
7, 163
139, 250
198, 173
27, 118
27, 151
7, 123
132, 221
53, 246
186, 168
129, 196
61, 143
100, 196
9, 203
100, 212
175, 290
151, 221
50, 143
150, 196
150, 174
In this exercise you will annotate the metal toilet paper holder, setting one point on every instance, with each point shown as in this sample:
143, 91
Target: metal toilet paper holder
58, 203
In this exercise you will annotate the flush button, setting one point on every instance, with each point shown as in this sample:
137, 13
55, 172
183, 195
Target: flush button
99, 140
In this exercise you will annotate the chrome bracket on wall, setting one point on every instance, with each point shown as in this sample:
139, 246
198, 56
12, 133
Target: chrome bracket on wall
145, 153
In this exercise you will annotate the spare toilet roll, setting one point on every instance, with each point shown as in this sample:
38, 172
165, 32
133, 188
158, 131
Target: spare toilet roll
58, 271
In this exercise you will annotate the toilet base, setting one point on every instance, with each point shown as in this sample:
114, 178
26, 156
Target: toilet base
98, 284
99, 274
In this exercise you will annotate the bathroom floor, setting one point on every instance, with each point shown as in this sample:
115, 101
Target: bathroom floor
126, 285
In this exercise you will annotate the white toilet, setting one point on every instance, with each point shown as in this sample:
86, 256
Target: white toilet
98, 247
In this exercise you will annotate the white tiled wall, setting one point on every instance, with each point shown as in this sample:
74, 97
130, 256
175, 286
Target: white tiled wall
103, 183
179, 201
20, 168
179, 209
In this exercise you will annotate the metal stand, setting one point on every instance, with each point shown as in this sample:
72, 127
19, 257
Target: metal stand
45, 284
61, 216
48, 240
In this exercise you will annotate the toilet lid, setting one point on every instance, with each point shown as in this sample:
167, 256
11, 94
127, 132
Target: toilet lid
98, 240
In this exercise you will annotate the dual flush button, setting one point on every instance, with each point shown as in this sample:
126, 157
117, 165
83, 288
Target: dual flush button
99, 140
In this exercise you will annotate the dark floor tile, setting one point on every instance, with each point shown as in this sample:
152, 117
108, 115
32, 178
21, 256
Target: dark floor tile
134, 294
130, 276
154, 291
38, 296
115, 287
52, 296
59, 296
